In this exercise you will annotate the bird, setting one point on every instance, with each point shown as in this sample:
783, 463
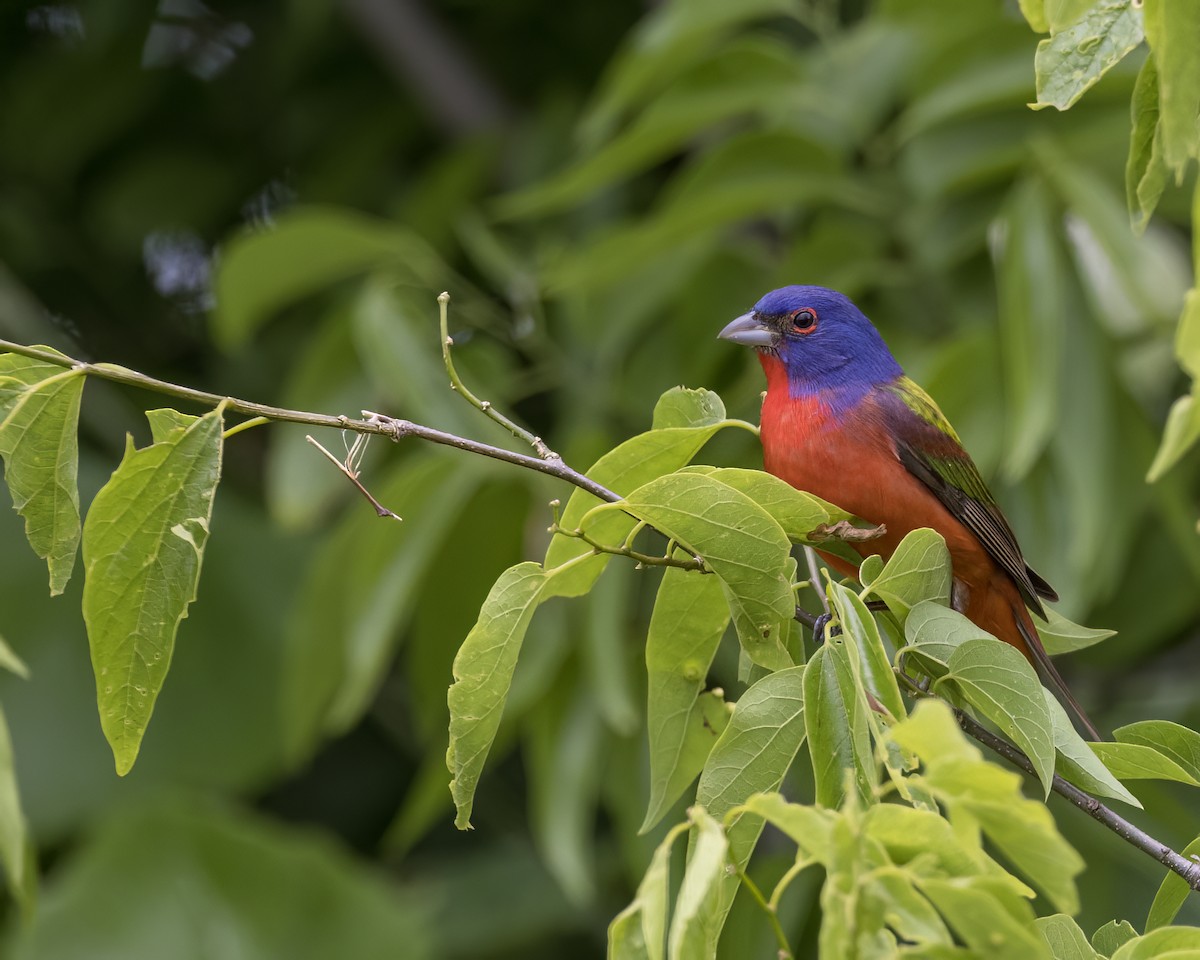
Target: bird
841, 420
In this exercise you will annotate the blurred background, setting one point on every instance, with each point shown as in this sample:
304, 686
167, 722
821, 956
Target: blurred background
265, 199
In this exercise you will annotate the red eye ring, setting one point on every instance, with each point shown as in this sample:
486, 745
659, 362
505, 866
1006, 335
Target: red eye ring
804, 320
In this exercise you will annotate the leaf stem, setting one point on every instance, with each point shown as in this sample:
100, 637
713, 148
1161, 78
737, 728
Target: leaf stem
484, 406
625, 550
785, 951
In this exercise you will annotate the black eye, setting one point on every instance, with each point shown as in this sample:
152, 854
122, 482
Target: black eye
804, 320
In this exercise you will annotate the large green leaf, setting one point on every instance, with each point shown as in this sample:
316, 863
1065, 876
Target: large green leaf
836, 723
1109, 938
1175, 943
874, 665
997, 680
918, 569
1060, 635
984, 922
1179, 435
39, 420
1077, 761
483, 672
696, 922
1172, 740
746, 549
630, 465
143, 544
690, 616
804, 518
934, 632
1065, 939
1072, 60
1136, 761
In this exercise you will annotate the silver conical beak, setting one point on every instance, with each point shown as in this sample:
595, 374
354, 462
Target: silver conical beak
748, 331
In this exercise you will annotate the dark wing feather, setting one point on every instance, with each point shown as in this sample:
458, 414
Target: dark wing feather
931, 451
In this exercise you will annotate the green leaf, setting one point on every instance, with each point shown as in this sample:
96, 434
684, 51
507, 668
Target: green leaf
983, 921
483, 670
1145, 172
639, 931
1112, 936
1064, 938
13, 835
695, 924
690, 616
1072, 60
305, 251
1077, 761
746, 549
143, 545
759, 744
996, 679
804, 518
1180, 433
630, 465
934, 632
1170, 739
1034, 12
919, 569
809, 827
1135, 761
870, 569
1172, 893
1060, 635
39, 421
874, 664
1173, 32
1176, 943
836, 724
684, 407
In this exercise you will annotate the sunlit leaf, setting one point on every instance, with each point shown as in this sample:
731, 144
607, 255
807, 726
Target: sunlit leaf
1177, 943
1136, 761
143, 544
934, 632
694, 924
39, 421
1172, 740
1179, 435
984, 922
997, 680
919, 569
746, 549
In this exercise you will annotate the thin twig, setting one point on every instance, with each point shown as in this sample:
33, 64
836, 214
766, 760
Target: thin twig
643, 559
785, 951
483, 406
375, 424
1189, 870
352, 476
810, 556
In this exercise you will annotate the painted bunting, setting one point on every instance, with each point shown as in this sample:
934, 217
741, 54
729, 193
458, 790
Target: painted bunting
842, 421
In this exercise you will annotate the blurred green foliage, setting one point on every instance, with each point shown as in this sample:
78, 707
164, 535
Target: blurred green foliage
264, 202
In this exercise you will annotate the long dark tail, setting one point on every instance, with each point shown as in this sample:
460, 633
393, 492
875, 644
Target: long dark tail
1045, 666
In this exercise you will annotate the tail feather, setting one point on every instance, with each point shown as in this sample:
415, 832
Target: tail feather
1041, 660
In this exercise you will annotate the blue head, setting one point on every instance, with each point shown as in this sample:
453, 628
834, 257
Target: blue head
823, 340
